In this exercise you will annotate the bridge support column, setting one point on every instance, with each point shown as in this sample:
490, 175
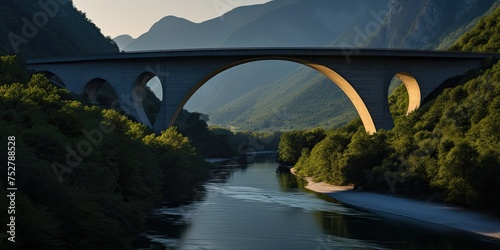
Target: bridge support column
372, 87
178, 86
366, 83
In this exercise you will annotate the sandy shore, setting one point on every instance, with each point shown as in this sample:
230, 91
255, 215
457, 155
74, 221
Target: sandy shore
426, 211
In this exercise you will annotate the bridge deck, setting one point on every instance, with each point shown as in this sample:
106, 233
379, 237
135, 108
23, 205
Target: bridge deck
335, 52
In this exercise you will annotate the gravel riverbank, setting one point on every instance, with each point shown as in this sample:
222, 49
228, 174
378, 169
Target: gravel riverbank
438, 213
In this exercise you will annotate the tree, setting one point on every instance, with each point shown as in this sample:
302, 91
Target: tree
12, 69
457, 168
363, 153
290, 147
292, 143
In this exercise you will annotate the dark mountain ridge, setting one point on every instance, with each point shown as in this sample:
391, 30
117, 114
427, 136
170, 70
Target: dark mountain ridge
279, 23
56, 26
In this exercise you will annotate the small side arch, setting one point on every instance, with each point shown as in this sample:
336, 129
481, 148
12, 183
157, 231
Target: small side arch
98, 91
146, 102
336, 78
413, 89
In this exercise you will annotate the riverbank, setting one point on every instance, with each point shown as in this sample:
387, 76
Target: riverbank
437, 213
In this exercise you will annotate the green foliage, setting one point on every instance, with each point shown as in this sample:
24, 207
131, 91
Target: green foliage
206, 141
398, 103
12, 70
86, 176
482, 38
246, 142
292, 143
456, 167
325, 160
447, 151
169, 140
362, 154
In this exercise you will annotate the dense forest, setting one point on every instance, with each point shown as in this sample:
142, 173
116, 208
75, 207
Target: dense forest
446, 151
86, 176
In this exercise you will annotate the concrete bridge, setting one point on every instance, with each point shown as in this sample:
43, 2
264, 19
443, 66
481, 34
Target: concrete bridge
363, 74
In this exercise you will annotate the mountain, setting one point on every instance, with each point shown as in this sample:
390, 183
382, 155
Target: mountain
243, 96
330, 110
56, 26
283, 23
278, 23
435, 24
294, 102
123, 40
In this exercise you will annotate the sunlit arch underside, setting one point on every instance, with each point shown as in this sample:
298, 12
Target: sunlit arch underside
351, 93
413, 90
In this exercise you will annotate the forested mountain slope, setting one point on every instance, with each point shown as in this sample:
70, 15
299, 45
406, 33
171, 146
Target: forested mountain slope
429, 24
448, 150
51, 28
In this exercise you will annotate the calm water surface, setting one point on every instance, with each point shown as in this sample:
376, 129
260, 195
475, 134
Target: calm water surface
256, 208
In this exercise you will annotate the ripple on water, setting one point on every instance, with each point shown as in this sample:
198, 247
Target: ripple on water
304, 201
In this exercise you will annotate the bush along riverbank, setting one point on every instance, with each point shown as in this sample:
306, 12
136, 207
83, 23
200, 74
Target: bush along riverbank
86, 177
448, 150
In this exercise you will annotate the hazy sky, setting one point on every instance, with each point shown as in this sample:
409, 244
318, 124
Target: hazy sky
135, 17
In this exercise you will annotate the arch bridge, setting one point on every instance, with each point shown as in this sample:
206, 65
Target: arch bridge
363, 74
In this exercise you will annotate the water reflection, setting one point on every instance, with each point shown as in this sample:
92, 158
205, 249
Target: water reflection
302, 201
257, 208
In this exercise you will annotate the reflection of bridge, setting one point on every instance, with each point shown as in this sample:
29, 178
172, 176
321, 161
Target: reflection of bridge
363, 74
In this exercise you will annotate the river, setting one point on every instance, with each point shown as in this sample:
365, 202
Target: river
254, 207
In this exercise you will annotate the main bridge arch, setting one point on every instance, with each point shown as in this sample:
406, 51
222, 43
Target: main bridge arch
335, 77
